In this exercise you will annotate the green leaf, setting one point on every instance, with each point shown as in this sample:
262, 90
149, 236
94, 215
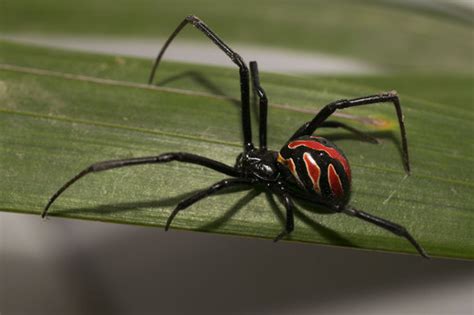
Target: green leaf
61, 111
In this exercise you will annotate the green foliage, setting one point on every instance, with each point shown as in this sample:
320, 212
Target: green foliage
53, 125
395, 38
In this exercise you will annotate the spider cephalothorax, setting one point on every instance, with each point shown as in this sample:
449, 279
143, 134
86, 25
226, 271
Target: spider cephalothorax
261, 164
307, 167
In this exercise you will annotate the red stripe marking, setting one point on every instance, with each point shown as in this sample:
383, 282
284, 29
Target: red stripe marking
315, 145
335, 182
313, 170
291, 165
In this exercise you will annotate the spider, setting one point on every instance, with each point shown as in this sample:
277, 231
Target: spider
307, 167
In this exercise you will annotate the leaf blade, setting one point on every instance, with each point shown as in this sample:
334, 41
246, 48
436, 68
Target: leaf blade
52, 128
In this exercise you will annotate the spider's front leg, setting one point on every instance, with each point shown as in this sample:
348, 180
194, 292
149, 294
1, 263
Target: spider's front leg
162, 158
226, 183
389, 97
263, 104
236, 59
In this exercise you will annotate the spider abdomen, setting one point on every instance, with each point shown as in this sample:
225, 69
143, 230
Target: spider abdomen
318, 167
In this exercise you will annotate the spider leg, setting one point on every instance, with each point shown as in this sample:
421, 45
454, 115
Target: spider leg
162, 158
385, 224
389, 97
360, 134
229, 182
289, 206
263, 104
243, 70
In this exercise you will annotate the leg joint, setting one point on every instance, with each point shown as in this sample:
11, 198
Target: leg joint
192, 19
338, 105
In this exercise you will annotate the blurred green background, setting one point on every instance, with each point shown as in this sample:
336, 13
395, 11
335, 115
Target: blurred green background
423, 48
400, 36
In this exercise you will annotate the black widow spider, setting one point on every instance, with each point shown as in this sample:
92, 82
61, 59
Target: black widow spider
307, 167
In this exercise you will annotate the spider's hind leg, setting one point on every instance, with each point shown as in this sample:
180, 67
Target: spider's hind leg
387, 97
387, 225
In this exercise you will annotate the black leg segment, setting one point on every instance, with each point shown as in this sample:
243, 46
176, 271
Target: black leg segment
263, 104
388, 97
162, 158
226, 183
385, 224
285, 198
243, 70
